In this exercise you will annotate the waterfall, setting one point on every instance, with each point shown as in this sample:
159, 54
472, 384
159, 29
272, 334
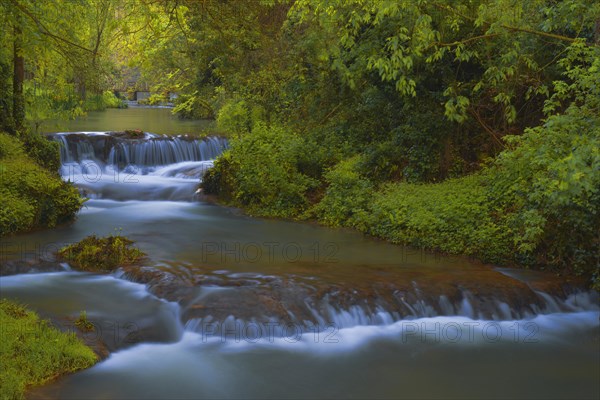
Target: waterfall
151, 150
325, 314
116, 166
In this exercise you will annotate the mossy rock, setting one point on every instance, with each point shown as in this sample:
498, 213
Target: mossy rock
129, 134
101, 254
135, 133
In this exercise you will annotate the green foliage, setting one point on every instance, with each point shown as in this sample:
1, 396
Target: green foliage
33, 353
235, 117
219, 180
101, 254
552, 182
156, 99
110, 100
413, 150
193, 106
347, 196
387, 95
550, 177
266, 168
50, 101
454, 216
340, 108
43, 151
71, 52
32, 196
102, 101
16, 213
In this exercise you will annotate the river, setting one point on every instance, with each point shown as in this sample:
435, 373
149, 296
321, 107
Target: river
229, 306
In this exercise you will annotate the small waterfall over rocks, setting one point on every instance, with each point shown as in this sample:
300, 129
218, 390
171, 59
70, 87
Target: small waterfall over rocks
119, 150
136, 166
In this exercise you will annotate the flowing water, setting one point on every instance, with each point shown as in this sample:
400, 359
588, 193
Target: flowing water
232, 306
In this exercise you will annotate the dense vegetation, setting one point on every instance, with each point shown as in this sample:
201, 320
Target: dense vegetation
27, 359
464, 127
33, 194
104, 254
460, 126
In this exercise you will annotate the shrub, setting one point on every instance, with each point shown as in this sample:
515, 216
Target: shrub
347, 195
261, 172
32, 196
219, 179
101, 254
413, 151
550, 182
156, 99
453, 216
110, 100
43, 151
235, 117
16, 214
99, 102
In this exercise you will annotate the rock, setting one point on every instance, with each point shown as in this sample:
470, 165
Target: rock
14, 267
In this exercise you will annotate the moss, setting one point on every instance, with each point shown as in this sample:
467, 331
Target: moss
32, 352
134, 133
32, 196
129, 134
101, 254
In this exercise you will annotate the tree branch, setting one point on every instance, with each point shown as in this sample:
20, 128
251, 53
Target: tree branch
486, 127
507, 27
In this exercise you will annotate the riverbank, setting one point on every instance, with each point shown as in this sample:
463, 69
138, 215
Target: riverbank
33, 353
33, 194
535, 205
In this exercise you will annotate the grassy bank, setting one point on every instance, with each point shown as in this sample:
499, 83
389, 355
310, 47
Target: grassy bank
33, 194
32, 352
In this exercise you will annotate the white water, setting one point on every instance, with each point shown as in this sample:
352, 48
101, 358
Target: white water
365, 361
550, 355
105, 166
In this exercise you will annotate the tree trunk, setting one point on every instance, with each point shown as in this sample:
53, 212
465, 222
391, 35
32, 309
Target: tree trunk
6, 118
18, 76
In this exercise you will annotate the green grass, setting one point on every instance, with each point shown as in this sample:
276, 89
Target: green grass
32, 352
101, 254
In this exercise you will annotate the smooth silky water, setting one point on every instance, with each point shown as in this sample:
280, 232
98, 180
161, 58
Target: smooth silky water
256, 308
